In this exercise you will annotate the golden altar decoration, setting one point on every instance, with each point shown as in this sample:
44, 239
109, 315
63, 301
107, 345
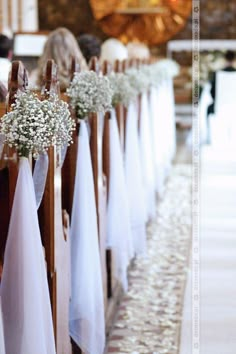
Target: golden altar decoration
148, 21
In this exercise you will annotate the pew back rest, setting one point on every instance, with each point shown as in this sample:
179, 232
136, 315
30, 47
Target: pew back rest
8, 160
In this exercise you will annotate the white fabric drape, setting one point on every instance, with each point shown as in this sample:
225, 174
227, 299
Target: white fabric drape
170, 108
40, 177
2, 342
158, 138
135, 187
27, 317
119, 234
86, 321
164, 132
147, 158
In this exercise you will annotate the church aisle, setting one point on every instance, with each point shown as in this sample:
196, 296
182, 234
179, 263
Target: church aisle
217, 257
149, 316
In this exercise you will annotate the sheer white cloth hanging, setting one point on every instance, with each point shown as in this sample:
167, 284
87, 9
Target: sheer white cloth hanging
86, 319
40, 177
27, 317
135, 187
2, 342
119, 234
165, 122
158, 133
170, 108
147, 158
223, 123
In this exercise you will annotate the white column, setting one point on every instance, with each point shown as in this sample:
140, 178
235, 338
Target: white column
30, 15
18, 15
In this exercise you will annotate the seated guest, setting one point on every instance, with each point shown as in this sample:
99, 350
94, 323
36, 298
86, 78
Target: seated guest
90, 46
61, 46
229, 66
5, 58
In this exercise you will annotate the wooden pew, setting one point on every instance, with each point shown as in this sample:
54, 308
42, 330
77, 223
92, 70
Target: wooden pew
124, 67
114, 289
106, 69
54, 224
69, 166
120, 112
69, 171
96, 126
8, 158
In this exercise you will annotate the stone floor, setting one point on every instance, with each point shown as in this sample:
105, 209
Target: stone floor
217, 307
149, 315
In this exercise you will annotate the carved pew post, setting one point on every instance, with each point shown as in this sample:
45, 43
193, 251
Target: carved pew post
68, 173
124, 66
53, 236
106, 170
46, 210
8, 159
96, 126
69, 166
120, 113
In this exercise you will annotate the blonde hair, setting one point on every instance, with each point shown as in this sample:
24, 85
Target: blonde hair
61, 46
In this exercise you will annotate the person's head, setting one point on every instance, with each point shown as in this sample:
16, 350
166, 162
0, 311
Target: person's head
112, 49
229, 56
90, 46
61, 46
5, 47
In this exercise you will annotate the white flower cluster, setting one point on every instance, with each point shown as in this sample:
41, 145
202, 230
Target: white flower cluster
123, 92
32, 126
138, 80
151, 75
165, 68
90, 93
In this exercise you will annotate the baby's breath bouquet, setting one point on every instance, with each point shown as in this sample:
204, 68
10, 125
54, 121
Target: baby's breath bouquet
165, 68
32, 126
90, 93
138, 80
123, 92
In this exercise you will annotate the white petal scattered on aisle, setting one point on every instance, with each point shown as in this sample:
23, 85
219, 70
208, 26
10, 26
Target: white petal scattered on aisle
135, 186
119, 234
147, 158
87, 327
27, 317
2, 343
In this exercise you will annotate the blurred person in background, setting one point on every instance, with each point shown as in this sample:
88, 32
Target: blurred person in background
229, 66
61, 46
90, 46
6, 46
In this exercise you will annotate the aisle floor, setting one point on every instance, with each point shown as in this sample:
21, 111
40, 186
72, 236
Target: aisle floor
217, 257
149, 316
